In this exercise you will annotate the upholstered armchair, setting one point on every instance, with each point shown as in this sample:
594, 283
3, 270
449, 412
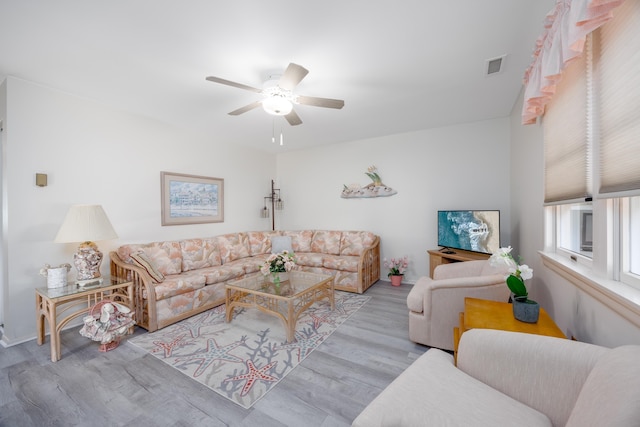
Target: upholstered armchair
513, 379
435, 304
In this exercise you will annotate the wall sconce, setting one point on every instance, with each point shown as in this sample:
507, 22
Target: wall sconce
276, 204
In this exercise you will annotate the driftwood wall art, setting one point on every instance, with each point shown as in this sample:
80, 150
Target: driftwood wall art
374, 189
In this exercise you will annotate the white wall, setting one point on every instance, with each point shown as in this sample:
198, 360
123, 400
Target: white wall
575, 312
94, 154
3, 252
457, 167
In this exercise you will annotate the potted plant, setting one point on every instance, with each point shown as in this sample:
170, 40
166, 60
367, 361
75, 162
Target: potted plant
277, 266
524, 309
397, 267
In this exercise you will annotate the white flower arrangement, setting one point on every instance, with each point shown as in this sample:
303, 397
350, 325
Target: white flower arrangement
518, 273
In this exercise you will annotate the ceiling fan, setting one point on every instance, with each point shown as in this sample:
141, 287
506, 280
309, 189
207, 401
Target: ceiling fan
279, 96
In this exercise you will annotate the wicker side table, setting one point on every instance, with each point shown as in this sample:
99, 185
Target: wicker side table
54, 302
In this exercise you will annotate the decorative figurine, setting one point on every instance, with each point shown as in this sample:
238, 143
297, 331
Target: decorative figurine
107, 322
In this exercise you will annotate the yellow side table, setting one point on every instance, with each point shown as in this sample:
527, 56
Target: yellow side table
485, 314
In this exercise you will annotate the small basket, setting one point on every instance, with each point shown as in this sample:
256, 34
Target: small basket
106, 334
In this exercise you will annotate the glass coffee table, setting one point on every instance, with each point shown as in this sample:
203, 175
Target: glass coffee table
287, 302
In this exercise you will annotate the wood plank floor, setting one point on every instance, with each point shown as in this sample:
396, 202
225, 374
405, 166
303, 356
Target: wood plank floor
128, 387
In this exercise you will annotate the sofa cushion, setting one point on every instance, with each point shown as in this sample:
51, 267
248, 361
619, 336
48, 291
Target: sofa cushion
166, 256
179, 284
199, 253
341, 262
222, 273
611, 394
309, 259
142, 260
300, 240
251, 264
233, 246
326, 242
260, 241
124, 252
412, 399
354, 242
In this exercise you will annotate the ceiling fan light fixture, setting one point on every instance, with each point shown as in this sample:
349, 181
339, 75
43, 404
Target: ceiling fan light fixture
277, 105
278, 96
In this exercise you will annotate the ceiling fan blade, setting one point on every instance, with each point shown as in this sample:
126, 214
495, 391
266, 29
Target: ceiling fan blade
293, 118
292, 76
321, 102
245, 108
234, 84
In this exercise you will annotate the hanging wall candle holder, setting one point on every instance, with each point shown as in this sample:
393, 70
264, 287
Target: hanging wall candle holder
276, 204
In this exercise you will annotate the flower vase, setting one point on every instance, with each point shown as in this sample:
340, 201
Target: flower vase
277, 277
396, 279
526, 310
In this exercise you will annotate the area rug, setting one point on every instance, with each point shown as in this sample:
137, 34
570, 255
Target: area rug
244, 359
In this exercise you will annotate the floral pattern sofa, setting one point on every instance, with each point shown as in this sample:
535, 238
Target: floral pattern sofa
174, 280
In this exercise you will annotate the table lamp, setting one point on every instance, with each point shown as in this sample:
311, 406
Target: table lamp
86, 223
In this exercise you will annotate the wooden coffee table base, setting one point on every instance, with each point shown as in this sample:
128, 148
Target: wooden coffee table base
303, 290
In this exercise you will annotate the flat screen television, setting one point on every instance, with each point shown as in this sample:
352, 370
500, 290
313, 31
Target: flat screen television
476, 231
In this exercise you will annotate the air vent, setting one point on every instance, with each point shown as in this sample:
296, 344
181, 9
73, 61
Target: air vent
495, 65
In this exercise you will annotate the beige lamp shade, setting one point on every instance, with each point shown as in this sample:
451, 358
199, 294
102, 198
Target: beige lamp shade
85, 223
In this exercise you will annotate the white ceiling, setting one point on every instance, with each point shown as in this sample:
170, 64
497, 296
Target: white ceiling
400, 65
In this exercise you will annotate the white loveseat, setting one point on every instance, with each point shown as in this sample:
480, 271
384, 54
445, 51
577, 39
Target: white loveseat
513, 379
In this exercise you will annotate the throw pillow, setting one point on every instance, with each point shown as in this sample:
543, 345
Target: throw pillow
280, 243
142, 260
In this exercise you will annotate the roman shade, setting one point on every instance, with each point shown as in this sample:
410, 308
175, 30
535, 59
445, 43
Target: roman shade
566, 143
618, 86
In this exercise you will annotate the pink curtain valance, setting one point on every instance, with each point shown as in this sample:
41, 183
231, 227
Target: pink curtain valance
563, 39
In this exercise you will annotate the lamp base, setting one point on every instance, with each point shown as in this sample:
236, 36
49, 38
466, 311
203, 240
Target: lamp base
87, 261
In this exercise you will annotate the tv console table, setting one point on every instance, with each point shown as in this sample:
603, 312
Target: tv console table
438, 257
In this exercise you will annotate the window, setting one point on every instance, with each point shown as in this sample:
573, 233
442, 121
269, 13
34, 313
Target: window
575, 228
634, 236
631, 241
567, 154
591, 130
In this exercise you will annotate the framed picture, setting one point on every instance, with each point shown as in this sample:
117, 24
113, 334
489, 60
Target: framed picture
191, 199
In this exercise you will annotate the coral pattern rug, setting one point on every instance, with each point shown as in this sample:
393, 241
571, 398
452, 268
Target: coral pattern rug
244, 359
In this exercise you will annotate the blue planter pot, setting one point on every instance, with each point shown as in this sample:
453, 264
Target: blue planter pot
526, 310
